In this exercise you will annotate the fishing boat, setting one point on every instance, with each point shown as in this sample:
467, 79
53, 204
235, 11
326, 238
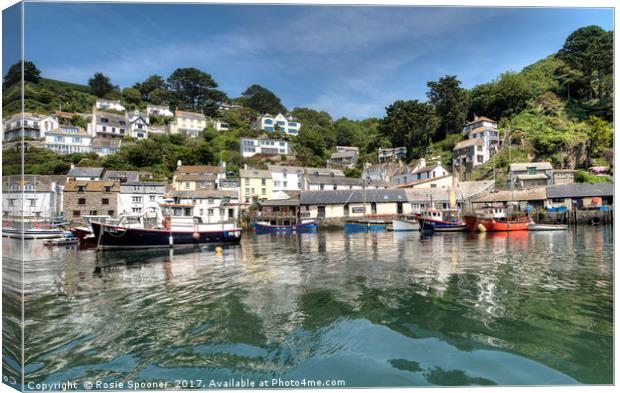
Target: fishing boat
496, 219
365, 225
547, 227
169, 225
302, 227
446, 220
36, 231
405, 224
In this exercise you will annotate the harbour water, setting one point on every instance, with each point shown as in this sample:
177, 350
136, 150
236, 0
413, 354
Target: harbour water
369, 309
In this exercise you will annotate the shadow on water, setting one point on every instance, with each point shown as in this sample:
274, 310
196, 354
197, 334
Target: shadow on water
374, 309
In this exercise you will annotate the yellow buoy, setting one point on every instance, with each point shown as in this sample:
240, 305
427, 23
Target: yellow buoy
481, 228
218, 250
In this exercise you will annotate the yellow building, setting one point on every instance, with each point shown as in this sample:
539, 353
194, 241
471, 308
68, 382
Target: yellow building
188, 123
197, 177
255, 184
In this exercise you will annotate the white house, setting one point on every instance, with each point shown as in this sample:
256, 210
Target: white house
104, 146
68, 139
480, 144
188, 123
389, 154
220, 125
136, 196
138, 124
212, 206
383, 172
159, 110
108, 125
34, 126
102, 104
287, 124
420, 171
226, 106
36, 198
251, 146
286, 178
344, 157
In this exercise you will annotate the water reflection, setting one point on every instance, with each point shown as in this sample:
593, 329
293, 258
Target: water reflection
375, 309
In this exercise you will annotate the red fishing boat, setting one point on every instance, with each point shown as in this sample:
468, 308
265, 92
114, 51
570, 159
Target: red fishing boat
495, 219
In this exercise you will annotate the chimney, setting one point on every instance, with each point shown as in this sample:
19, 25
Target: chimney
179, 163
422, 162
245, 166
224, 164
72, 165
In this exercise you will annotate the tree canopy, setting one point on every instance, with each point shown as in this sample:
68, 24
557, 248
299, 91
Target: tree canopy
100, 85
451, 102
262, 100
194, 90
14, 74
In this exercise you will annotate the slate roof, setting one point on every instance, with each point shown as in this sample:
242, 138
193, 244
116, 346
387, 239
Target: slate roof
86, 172
344, 154
522, 166
199, 169
205, 177
580, 190
535, 194
351, 196
280, 202
42, 182
92, 186
190, 115
254, 173
538, 176
339, 180
131, 176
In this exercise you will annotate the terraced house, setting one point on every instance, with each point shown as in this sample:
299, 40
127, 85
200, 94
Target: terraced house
190, 124
27, 125
198, 177
90, 198
33, 198
255, 185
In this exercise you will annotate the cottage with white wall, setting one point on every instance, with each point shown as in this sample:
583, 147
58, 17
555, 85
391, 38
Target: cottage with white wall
190, 124
249, 147
36, 198
27, 125
102, 104
322, 205
68, 139
212, 206
137, 196
286, 124
138, 124
159, 110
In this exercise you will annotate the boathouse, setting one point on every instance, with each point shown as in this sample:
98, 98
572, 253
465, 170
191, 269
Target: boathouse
337, 205
581, 196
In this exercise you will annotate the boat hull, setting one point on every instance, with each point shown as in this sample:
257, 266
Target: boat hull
109, 236
405, 225
303, 227
492, 225
32, 233
365, 226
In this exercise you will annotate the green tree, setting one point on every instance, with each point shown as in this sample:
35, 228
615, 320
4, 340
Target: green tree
590, 51
600, 135
100, 85
451, 102
14, 74
411, 124
159, 97
132, 96
262, 100
194, 90
150, 84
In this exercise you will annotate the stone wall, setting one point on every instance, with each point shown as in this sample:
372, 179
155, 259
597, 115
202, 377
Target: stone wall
93, 204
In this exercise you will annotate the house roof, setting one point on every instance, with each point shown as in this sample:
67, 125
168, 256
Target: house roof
42, 182
131, 176
344, 154
192, 115
283, 168
144, 183
199, 169
254, 173
86, 172
534, 194
523, 166
60, 131
92, 186
323, 171
427, 168
480, 129
206, 177
580, 190
351, 196
481, 118
201, 194
338, 180
280, 202
105, 142
467, 143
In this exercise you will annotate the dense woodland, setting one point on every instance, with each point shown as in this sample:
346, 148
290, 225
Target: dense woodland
558, 109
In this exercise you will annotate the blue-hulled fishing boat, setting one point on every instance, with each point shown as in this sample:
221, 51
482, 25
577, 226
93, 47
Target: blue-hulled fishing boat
441, 221
365, 226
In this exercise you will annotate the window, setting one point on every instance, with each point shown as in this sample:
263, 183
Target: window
210, 212
103, 129
136, 199
136, 209
210, 201
93, 212
33, 202
105, 201
247, 182
531, 170
479, 158
263, 191
81, 201
76, 213
152, 198
263, 182
110, 212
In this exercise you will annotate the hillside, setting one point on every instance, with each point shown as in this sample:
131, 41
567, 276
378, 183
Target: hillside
559, 109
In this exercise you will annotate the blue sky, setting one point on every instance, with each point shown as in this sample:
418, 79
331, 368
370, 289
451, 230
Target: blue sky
348, 61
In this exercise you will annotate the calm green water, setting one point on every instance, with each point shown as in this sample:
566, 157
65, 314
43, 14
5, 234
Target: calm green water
379, 309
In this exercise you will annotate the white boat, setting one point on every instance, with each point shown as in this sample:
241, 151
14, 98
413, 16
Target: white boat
32, 233
405, 225
547, 227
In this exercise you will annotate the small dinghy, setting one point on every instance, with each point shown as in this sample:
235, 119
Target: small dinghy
547, 227
63, 241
